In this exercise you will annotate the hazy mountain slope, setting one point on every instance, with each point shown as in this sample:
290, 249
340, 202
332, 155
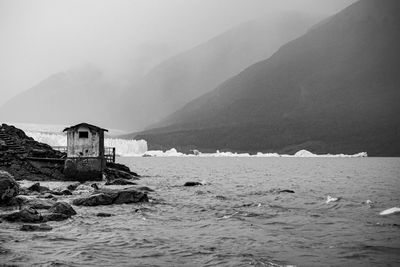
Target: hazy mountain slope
335, 89
64, 98
188, 75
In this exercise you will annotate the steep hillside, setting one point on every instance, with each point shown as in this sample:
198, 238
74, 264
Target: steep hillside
335, 89
175, 82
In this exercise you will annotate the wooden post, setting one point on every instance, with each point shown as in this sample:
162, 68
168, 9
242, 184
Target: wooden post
113, 154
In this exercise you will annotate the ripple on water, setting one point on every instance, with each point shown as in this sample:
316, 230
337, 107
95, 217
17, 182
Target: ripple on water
239, 218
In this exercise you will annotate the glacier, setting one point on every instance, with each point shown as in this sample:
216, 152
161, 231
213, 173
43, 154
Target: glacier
53, 136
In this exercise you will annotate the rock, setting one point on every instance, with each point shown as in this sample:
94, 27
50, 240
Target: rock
8, 187
119, 181
38, 188
63, 208
65, 192
112, 174
35, 203
103, 214
94, 200
108, 197
192, 184
130, 196
73, 186
35, 227
145, 188
29, 215
121, 167
95, 186
49, 216
48, 195
286, 191
24, 191
84, 188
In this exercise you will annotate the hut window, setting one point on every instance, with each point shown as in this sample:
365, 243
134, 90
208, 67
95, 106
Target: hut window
83, 134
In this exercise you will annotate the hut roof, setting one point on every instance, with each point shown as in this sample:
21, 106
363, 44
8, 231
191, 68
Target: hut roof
90, 126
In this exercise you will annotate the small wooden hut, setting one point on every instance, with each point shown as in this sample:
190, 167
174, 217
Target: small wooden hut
85, 152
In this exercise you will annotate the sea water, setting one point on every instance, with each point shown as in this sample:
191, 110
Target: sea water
238, 217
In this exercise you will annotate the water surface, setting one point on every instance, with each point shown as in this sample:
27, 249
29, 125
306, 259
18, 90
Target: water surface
238, 218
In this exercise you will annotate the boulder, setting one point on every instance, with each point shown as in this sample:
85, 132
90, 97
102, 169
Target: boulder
28, 214
95, 186
38, 188
121, 167
192, 184
119, 181
103, 214
94, 200
108, 197
286, 191
65, 192
73, 186
49, 216
130, 196
63, 208
35, 227
8, 187
145, 188
35, 203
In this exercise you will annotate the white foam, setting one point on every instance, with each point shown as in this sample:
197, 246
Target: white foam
330, 199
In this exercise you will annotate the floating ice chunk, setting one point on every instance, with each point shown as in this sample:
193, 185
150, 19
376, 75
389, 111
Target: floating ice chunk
330, 199
390, 211
229, 216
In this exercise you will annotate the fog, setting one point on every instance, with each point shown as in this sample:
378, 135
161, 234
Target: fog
125, 37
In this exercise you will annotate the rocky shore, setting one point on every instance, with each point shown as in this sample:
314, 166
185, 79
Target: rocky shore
23, 158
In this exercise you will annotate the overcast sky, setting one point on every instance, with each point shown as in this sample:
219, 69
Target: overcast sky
42, 37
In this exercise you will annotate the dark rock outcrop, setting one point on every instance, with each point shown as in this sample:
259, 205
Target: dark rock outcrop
8, 187
108, 197
25, 158
121, 167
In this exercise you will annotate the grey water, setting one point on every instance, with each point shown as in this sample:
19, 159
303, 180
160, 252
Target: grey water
238, 218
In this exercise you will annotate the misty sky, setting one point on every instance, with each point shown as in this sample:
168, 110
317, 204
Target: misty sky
122, 37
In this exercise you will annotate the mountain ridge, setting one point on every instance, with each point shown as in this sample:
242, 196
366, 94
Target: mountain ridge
337, 81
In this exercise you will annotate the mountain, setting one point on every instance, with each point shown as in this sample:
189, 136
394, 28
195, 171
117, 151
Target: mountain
182, 78
336, 89
82, 94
